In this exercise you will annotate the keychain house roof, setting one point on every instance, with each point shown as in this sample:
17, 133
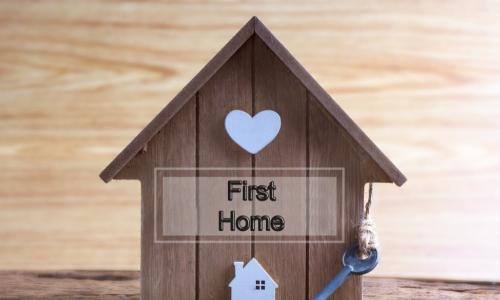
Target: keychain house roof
252, 72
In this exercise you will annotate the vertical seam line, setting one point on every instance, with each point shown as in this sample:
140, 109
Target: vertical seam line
197, 196
307, 193
252, 247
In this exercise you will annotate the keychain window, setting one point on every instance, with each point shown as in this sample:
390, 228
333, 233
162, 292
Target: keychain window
260, 284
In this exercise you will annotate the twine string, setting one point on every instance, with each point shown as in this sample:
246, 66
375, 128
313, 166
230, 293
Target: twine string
367, 235
369, 201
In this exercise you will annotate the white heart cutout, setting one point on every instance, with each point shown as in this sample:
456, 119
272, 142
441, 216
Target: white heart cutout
253, 133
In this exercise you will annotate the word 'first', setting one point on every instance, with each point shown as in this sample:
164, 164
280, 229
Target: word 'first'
249, 192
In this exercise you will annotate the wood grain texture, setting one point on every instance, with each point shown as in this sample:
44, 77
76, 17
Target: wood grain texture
168, 271
277, 89
80, 80
229, 89
125, 285
325, 260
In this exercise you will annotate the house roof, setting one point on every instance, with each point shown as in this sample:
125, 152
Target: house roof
256, 269
254, 26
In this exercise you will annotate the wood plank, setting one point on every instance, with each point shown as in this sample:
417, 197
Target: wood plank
168, 270
277, 89
325, 260
229, 89
92, 285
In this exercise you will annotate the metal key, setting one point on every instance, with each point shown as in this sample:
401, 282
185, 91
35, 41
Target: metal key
352, 264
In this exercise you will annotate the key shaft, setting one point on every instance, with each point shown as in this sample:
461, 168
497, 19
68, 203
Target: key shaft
334, 284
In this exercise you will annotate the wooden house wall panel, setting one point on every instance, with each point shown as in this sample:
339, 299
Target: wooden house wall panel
167, 270
328, 147
229, 89
277, 89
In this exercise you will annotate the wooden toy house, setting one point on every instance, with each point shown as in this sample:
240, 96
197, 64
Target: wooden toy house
253, 72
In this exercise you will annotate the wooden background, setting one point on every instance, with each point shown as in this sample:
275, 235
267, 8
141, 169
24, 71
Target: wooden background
78, 80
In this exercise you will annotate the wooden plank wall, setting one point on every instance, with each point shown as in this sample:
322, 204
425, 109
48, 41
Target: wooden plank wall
168, 270
277, 89
229, 89
325, 260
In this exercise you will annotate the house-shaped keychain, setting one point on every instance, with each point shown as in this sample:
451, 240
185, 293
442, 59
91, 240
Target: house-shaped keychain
251, 162
251, 281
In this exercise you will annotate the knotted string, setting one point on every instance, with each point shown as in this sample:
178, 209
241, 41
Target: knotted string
367, 236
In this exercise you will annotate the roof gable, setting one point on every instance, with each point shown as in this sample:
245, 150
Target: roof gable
254, 26
253, 270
